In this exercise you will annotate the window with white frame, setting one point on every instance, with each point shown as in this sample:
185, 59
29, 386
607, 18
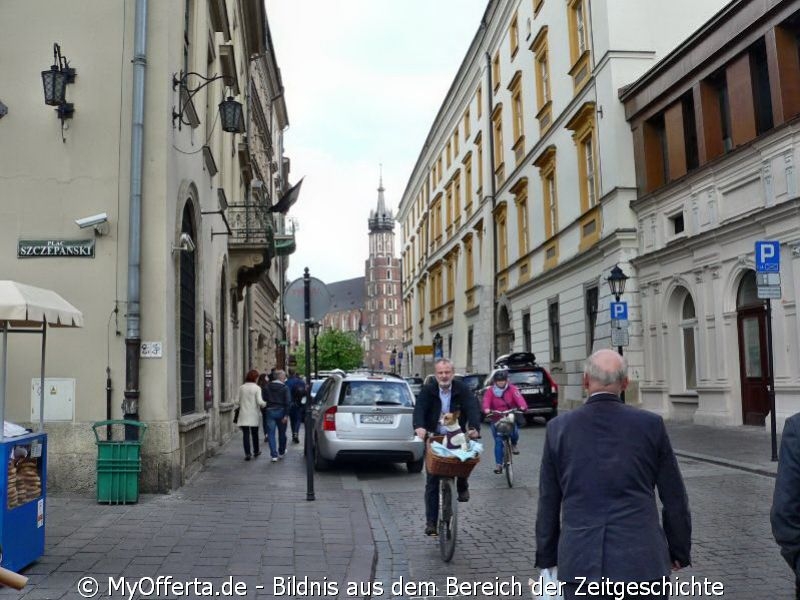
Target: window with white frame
688, 324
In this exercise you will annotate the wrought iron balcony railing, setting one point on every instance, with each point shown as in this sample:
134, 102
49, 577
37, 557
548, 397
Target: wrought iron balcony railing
250, 224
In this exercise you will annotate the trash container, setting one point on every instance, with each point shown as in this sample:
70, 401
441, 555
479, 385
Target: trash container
119, 463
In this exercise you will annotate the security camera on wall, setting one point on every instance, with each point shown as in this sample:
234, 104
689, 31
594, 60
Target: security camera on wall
185, 244
98, 221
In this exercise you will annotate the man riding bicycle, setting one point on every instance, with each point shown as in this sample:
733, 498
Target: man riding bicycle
502, 396
445, 395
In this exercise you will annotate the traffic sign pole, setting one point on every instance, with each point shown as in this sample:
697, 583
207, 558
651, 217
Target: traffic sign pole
768, 279
309, 438
771, 384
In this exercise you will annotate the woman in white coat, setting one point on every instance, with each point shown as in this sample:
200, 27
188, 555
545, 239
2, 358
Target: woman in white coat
249, 404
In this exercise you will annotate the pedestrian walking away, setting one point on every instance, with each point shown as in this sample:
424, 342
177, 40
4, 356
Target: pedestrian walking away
500, 396
785, 513
601, 463
297, 389
262, 383
278, 401
445, 395
248, 404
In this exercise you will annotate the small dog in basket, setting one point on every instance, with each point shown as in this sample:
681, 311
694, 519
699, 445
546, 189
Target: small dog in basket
455, 437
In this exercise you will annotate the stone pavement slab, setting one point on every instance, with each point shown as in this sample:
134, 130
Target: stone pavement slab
235, 522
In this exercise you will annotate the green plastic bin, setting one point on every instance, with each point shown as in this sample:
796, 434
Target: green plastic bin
119, 463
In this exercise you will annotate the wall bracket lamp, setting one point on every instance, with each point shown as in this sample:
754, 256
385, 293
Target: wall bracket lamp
230, 110
55, 81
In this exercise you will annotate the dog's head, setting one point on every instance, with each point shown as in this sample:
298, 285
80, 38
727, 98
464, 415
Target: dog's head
450, 418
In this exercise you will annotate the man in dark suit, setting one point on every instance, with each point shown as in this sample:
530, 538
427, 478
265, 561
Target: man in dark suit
785, 514
445, 395
601, 463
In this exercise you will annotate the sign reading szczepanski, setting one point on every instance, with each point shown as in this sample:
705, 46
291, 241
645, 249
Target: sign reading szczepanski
55, 248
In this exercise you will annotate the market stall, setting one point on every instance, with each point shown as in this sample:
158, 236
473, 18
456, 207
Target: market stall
25, 309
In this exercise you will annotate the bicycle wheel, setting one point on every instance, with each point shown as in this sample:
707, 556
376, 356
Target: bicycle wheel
508, 465
448, 517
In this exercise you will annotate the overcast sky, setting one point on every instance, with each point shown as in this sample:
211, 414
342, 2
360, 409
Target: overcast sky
364, 80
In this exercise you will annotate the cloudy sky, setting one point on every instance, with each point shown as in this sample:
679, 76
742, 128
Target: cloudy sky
364, 80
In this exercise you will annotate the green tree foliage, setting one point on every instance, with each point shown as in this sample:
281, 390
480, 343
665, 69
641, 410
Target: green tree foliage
335, 350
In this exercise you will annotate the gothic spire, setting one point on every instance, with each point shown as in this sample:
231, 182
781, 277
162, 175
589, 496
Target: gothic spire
381, 219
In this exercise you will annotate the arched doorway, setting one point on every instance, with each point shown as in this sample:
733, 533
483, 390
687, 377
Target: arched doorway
504, 335
753, 366
187, 283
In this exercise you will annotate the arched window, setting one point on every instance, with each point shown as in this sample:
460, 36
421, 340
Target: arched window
687, 324
187, 319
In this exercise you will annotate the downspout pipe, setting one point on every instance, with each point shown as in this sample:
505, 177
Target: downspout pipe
493, 198
130, 404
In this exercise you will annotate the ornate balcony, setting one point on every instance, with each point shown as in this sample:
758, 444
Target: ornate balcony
251, 244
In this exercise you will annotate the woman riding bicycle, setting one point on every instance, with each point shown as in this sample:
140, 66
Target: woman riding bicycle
502, 396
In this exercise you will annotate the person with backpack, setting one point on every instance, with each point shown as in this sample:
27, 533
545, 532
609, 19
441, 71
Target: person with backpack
278, 401
297, 388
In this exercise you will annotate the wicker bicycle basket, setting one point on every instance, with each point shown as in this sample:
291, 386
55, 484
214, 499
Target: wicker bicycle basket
447, 466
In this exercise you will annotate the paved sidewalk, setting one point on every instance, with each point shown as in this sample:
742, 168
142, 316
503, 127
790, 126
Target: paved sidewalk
746, 448
235, 521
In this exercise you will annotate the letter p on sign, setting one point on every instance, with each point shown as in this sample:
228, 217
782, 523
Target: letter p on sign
768, 257
619, 311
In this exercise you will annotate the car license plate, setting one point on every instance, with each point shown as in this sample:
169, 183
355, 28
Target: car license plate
377, 419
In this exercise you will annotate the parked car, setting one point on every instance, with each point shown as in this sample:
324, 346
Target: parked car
415, 383
315, 385
363, 416
474, 382
533, 381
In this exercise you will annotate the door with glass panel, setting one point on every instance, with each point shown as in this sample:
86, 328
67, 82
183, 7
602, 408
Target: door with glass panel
753, 365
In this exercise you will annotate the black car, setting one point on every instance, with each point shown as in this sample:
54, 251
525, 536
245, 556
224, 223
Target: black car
474, 381
533, 381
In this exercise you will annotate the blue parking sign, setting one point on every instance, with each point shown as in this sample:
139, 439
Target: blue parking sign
619, 311
768, 256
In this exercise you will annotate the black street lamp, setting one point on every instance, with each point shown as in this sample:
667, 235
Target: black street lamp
315, 330
616, 283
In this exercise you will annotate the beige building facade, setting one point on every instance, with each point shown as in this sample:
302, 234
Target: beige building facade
519, 204
204, 256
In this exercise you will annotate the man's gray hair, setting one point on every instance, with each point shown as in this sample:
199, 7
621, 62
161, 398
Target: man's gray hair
440, 361
597, 373
280, 374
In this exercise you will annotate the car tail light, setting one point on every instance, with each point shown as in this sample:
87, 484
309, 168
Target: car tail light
329, 419
553, 387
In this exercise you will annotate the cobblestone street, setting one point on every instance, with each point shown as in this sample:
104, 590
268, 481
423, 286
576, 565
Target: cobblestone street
732, 542
250, 523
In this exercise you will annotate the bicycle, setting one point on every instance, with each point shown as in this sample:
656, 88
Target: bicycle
504, 427
447, 469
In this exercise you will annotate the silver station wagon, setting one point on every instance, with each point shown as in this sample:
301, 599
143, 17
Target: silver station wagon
365, 416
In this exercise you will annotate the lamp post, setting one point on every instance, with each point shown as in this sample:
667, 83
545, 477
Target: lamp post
315, 330
616, 283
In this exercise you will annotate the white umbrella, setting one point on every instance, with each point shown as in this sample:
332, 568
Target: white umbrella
25, 308
28, 306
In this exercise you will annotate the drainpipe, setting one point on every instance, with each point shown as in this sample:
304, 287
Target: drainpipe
493, 190
130, 405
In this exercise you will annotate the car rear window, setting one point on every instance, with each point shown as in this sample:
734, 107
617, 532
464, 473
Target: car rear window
375, 393
473, 382
526, 377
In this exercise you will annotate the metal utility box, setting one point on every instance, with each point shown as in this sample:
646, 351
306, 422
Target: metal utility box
23, 490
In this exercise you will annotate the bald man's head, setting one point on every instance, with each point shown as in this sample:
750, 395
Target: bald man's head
605, 371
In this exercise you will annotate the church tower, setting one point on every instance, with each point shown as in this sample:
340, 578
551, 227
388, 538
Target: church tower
382, 281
